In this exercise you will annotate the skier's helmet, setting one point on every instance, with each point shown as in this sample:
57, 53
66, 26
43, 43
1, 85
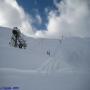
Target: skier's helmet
16, 31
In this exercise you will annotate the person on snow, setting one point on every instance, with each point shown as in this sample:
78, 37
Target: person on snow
48, 53
17, 39
16, 35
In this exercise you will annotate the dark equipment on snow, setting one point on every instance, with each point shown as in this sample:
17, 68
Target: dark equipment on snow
16, 39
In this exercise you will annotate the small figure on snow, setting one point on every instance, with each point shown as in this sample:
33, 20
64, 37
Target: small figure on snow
48, 53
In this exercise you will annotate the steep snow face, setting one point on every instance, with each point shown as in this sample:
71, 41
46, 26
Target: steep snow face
71, 54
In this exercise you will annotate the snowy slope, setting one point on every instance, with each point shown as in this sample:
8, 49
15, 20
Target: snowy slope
67, 67
70, 53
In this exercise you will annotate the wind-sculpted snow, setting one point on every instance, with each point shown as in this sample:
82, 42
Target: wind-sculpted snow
66, 67
72, 53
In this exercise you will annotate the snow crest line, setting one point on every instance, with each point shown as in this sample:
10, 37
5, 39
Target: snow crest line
17, 70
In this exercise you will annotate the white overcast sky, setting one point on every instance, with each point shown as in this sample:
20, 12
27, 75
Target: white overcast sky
72, 20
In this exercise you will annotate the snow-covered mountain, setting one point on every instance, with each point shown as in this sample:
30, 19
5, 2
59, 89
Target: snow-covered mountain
69, 57
68, 53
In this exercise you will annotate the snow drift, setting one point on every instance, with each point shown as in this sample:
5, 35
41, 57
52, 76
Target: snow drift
72, 53
66, 68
